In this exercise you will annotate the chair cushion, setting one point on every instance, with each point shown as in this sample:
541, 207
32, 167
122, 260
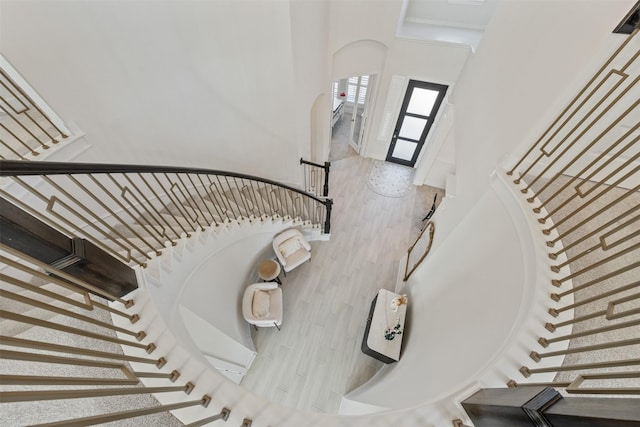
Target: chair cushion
290, 246
296, 259
260, 304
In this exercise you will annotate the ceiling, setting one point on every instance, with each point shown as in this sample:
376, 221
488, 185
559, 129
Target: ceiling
459, 22
469, 14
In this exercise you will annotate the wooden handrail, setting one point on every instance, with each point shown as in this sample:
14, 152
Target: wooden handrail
409, 271
326, 165
21, 168
132, 211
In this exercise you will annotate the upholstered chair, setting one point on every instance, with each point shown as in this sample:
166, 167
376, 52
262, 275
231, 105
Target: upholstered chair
262, 305
291, 249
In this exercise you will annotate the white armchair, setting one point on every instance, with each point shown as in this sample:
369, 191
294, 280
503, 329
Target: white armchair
262, 304
291, 248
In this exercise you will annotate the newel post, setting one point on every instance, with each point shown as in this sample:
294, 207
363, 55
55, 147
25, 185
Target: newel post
538, 406
328, 203
327, 167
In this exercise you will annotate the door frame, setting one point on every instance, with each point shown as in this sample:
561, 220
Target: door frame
363, 115
413, 84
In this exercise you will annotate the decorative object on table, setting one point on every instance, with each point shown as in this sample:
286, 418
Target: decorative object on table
391, 333
389, 179
384, 331
291, 248
398, 301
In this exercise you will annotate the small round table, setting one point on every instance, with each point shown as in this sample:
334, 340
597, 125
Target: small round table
269, 270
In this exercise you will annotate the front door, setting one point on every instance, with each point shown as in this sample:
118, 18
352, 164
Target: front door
419, 109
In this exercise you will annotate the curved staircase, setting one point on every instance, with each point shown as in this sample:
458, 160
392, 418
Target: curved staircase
184, 218
577, 205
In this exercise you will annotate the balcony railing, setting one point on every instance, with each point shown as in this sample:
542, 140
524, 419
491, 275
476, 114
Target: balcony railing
68, 310
316, 177
134, 212
581, 178
26, 129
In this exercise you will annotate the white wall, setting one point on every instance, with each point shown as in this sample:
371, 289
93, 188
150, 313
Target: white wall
225, 85
353, 20
309, 41
534, 57
439, 158
215, 288
360, 58
466, 296
203, 84
359, 36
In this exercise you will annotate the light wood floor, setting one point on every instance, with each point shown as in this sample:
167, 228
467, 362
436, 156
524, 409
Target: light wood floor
315, 359
340, 134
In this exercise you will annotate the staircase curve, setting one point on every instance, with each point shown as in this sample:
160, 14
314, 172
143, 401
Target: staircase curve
582, 200
155, 220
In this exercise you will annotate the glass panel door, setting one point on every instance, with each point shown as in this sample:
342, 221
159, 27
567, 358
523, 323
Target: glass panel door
358, 91
419, 108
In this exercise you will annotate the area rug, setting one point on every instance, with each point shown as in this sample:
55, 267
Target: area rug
390, 179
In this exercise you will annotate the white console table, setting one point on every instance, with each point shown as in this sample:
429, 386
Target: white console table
381, 318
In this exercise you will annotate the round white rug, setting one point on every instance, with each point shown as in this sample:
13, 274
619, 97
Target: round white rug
390, 179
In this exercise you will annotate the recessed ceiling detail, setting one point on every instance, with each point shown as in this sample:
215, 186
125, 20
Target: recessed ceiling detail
460, 22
